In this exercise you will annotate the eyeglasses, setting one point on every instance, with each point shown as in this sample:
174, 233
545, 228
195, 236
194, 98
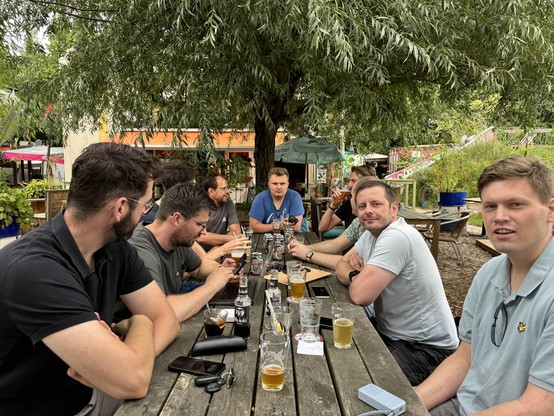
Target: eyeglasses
500, 308
196, 222
225, 188
147, 205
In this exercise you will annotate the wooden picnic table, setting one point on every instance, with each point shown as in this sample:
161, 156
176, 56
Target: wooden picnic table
413, 217
322, 385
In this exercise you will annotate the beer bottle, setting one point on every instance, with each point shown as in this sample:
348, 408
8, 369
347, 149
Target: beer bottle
274, 297
242, 309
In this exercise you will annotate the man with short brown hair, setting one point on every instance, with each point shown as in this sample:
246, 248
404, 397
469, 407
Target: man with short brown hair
277, 203
505, 362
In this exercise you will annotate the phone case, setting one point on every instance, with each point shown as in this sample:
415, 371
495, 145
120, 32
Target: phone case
195, 366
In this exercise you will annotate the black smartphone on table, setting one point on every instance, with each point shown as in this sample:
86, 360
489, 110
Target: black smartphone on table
325, 323
195, 366
320, 292
240, 264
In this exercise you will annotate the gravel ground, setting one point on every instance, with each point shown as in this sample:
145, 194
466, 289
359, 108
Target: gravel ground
457, 278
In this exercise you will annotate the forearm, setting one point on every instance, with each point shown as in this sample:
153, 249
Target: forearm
259, 227
445, 381
214, 239
208, 266
342, 269
328, 220
166, 329
326, 260
189, 304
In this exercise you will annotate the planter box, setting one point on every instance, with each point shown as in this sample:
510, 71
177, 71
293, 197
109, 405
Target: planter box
11, 230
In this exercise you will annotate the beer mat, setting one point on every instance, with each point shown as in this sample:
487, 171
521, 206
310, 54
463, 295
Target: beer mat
313, 274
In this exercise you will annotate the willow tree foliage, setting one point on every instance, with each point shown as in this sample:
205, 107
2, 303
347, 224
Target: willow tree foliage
368, 71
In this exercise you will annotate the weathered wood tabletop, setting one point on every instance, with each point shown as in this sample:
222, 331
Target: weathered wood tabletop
314, 385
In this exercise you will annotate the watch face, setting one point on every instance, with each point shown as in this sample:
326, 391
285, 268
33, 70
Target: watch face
309, 254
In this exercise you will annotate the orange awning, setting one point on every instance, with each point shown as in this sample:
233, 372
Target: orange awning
226, 140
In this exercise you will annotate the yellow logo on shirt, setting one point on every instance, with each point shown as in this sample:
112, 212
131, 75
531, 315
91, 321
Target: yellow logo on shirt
521, 327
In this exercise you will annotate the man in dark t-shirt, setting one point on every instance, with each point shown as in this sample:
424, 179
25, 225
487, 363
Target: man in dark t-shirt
58, 288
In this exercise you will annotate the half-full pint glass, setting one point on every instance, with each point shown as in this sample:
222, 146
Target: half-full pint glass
297, 283
343, 324
274, 352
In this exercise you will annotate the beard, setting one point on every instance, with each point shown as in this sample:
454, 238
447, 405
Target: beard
123, 230
180, 240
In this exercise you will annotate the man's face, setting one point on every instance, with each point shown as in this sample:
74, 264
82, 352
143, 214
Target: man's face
517, 222
221, 193
374, 210
278, 185
352, 179
123, 230
190, 229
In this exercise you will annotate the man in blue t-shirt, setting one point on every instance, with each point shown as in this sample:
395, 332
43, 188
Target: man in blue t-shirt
277, 203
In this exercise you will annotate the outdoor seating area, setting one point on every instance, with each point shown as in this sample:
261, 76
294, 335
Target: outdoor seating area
325, 383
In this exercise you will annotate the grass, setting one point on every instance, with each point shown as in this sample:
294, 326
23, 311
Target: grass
476, 220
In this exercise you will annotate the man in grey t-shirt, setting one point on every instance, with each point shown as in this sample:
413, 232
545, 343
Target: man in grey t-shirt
392, 267
223, 225
164, 246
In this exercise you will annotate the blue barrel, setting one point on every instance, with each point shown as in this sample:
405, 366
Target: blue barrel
451, 204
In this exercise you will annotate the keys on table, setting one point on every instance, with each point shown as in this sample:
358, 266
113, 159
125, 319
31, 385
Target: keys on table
213, 383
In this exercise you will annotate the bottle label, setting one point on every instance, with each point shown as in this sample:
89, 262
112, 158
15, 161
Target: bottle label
242, 315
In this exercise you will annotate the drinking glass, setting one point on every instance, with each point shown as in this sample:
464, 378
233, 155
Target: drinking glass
343, 324
274, 352
283, 314
310, 313
276, 226
214, 321
297, 284
237, 254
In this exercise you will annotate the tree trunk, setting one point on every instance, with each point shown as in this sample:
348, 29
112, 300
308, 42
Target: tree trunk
264, 150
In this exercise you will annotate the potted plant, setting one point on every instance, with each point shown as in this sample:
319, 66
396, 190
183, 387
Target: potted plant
15, 209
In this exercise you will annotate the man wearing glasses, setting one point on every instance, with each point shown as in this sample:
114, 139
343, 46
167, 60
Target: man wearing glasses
165, 247
58, 289
505, 362
223, 225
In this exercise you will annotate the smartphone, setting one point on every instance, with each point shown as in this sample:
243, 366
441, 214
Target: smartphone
240, 264
293, 220
320, 292
195, 366
325, 323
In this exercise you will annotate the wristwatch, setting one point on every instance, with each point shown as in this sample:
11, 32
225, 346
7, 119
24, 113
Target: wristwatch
353, 274
309, 256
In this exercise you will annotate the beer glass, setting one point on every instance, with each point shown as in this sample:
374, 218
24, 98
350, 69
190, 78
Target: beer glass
296, 276
310, 313
237, 254
274, 353
343, 324
214, 321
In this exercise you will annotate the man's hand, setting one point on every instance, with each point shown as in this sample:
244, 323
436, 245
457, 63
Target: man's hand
355, 260
219, 278
298, 250
238, 243
336, 198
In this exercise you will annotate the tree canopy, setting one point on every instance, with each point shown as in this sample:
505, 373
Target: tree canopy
370, 72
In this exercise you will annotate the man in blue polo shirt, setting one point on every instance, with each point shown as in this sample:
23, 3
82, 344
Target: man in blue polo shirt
276, 203
505, 362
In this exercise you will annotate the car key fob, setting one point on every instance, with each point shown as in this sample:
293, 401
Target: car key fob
205, 380
213, 387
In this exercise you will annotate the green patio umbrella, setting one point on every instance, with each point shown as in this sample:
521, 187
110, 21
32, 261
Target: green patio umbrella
306, 150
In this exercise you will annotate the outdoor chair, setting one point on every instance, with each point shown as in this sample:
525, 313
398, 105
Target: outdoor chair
452, 238
315, 214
